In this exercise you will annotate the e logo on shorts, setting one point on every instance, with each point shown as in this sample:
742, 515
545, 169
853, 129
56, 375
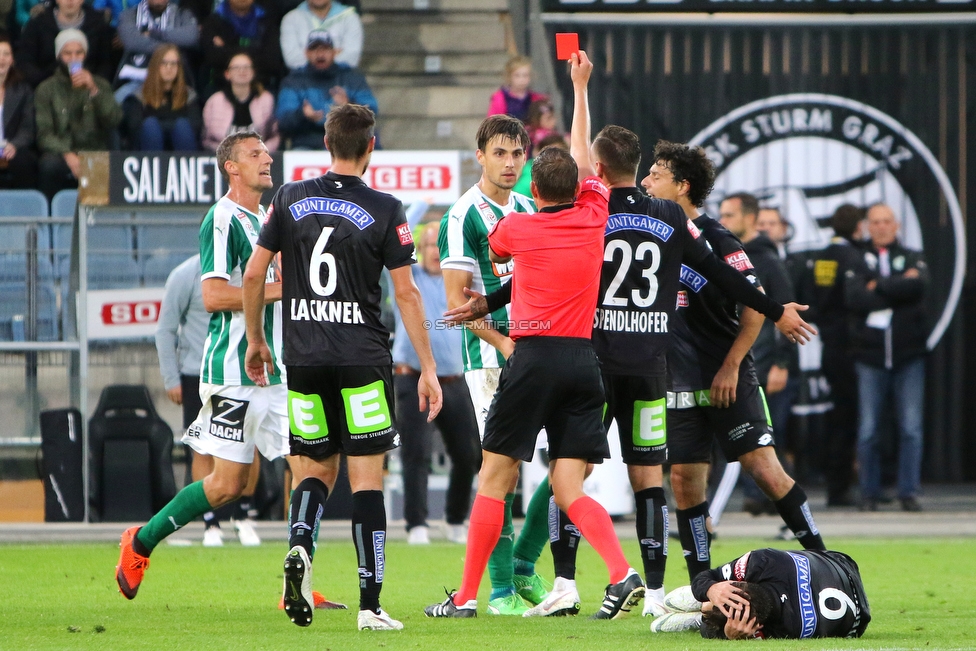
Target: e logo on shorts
366, 408
650, 422
306, 416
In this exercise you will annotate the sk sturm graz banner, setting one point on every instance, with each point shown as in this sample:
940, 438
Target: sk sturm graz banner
786, 6
807, 154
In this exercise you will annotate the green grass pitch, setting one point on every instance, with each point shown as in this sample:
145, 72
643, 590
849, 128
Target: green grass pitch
64, 597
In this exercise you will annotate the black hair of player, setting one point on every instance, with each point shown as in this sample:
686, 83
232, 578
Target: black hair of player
227, 146
762, 600
845, 219
687, 164
618, 150
505, 126
749, 203
348, 130
554, 173
552, 140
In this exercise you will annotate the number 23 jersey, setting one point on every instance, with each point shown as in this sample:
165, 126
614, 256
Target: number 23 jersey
335, 235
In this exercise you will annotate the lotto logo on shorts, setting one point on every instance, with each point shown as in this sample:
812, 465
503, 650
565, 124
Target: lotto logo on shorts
227, 418
306, 417
650, 423
366, 408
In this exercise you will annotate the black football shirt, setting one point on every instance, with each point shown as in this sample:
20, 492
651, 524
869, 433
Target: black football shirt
820, 592
645, 243
706, 322
335, 235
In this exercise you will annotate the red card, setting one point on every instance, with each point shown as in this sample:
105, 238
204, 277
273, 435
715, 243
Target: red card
566, 46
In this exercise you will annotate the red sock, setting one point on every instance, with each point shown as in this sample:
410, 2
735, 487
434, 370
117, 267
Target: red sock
594, 523
484, 529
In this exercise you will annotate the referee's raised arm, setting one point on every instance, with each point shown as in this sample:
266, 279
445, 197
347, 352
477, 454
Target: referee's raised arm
579, 142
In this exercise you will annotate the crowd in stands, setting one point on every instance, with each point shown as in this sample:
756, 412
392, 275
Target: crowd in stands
167, 75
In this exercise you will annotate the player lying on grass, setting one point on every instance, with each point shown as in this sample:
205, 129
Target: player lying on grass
770, 593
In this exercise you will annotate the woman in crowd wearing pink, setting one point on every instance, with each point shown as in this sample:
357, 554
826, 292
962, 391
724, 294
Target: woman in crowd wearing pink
515, 96
242, 104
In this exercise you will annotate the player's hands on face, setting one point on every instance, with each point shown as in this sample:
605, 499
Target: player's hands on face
740, 625
792, 326
726, 597
430, 394
175, 395
722, 393
475, 308
258, 363
580, 68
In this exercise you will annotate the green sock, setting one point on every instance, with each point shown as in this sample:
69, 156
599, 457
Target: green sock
315, 531
500, 561
188, 505
535, 533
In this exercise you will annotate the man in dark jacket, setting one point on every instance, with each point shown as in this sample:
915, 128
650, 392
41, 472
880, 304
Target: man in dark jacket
240, 26
823, 287
36, 58
308, 93
886, 295
772, 351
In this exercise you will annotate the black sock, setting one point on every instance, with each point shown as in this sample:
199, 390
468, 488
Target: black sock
210, 520
564, 540
652, 533
140, 547
307, 504
795, 511
244, 507
695, 538
369, 536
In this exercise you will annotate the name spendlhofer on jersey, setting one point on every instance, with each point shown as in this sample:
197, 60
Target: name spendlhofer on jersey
463, 242
646, 241
228, 235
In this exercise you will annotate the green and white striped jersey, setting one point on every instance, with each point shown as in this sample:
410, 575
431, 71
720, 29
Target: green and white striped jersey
463, 242
227, 238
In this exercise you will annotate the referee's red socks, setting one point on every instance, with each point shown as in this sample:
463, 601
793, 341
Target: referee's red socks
484, 529
594, 523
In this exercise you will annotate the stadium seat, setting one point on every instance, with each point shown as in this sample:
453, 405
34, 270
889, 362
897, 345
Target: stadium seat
23, 203
112, 271
131, 456
63, 204
13, 311
156, 268
109, 238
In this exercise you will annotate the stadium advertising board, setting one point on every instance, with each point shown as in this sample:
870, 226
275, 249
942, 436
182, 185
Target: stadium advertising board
165, 178
146, 178
431, 176
123, 313
785, 6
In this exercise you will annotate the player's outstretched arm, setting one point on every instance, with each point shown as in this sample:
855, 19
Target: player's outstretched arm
793, 326
257, 358
456, 284
411, 307
579, 142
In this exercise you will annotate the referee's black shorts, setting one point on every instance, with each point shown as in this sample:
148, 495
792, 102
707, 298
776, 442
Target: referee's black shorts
555, 383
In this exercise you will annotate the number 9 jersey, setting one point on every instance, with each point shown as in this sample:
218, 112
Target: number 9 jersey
335, 235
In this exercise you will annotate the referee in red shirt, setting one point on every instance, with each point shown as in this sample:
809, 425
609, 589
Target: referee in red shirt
552, 379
